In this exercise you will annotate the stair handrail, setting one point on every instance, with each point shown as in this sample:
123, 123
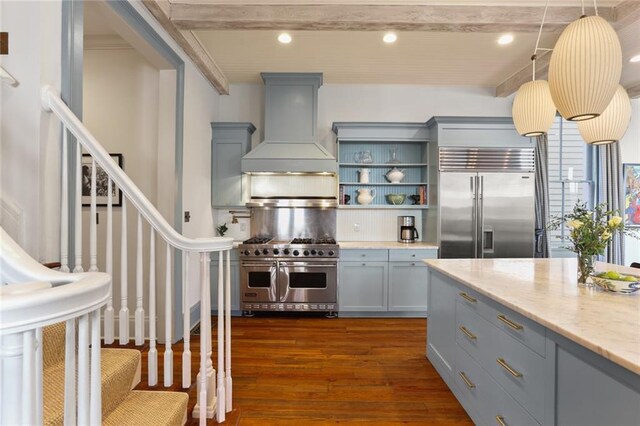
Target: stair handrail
51, 101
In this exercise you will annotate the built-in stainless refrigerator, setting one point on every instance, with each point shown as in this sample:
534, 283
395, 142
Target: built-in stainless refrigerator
486, 203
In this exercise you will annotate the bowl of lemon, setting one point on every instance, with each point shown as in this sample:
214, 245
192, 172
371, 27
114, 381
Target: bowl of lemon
617, 282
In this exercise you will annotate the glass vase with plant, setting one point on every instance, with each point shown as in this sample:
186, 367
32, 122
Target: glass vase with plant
590, 232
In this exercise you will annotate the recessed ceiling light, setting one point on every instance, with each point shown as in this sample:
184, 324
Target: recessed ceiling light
635, 59
284, 38
390, 38
505, 39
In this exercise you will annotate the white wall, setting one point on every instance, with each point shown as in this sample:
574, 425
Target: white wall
630, 153
29, 139
346, 102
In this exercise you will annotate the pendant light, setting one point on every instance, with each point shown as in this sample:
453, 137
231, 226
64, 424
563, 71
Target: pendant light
533, 109
612, 124
585, 68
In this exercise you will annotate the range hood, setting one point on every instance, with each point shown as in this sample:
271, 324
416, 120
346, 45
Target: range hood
290, 128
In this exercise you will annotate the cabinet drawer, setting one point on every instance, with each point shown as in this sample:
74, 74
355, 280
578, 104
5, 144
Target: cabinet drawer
473, 301
517, 326
472, 332
369, 255
473, 383
502, 409
518, 369
410, 255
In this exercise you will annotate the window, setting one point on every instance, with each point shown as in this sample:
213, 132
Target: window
570, 175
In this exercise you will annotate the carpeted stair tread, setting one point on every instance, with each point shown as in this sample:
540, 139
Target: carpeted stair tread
153, 408
120, 373
53, 338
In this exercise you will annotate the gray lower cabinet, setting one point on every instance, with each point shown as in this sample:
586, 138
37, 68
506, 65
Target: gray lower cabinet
506, 369
230, 141
363, 286
377, 281
235, 285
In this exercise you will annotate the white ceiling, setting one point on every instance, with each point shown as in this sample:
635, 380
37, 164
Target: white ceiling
411, 2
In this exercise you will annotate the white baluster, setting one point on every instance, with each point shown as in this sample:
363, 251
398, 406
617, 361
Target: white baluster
220, 398
83, 370
64, 205
95, 414
39, 378
153, 352
109, 312
70, 373
78, 212
11, 386
227, 334
93, 225
123, 315
186, 312
205, 334
139, 314
28, 377
168, 352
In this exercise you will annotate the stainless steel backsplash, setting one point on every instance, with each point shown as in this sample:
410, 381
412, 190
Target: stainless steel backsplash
288, 222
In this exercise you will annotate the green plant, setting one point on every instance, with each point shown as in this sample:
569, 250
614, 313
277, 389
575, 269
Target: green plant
222, 229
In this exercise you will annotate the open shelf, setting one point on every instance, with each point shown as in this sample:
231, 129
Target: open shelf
382, 184
365, 165
383, 206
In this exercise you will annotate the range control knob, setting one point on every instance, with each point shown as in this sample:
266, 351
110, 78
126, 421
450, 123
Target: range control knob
313, 252
257, 252
320, 253
286, 251
246, 252
276, 251
331, 253
306, 252
265, 251
296, 252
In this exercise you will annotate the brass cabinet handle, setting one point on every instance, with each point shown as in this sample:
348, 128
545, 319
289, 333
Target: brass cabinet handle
469, 298
467, 333
466, 380
500, 421
507, 367
510, 323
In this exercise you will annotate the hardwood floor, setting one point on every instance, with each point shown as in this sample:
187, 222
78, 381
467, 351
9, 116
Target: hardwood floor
295, 371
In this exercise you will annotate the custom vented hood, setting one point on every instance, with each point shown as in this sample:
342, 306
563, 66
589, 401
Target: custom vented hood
290, 128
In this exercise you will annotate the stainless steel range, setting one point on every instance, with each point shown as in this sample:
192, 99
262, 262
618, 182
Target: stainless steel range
285, 273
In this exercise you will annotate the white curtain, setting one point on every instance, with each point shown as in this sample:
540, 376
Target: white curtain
609, 190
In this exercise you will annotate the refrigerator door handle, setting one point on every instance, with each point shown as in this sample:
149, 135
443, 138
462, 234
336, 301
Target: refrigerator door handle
481, 215
474, 194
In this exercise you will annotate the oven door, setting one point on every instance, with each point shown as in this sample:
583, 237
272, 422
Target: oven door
258, 282
308, 282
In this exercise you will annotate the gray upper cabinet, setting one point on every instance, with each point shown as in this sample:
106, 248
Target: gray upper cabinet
230, 141
480, 132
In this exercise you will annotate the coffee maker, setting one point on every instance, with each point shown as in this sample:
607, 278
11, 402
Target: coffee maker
407, 232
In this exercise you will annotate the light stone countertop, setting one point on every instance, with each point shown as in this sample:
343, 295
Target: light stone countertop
384, 245
545, 291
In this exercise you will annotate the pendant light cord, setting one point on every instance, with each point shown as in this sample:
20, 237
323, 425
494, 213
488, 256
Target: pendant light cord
595, 6
535, 51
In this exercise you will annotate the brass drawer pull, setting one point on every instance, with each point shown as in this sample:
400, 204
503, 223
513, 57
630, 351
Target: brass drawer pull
507, 367
466, 380
467, 333
500, 421
469, 298
510, 323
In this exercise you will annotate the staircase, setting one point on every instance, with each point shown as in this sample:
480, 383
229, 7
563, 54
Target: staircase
53, 369
120, 373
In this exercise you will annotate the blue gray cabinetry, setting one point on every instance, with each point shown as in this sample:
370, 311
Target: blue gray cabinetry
230, 141
379, 282
505, 368
235, 282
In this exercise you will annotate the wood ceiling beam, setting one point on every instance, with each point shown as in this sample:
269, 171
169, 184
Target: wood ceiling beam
633, 90
626, 13
161, 10
513, 83
493, 19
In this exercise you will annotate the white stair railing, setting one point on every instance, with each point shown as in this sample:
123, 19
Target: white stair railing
32, 298
218, 398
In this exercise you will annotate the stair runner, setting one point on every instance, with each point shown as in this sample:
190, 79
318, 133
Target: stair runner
121, 405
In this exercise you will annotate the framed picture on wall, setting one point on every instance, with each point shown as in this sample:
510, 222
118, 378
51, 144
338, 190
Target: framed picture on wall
631, 182
102, 183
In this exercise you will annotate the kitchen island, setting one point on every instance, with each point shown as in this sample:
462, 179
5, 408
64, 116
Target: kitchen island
518, 342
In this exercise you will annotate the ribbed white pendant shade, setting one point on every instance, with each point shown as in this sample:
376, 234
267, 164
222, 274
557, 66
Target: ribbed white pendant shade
533, 109
612, 124
585, 68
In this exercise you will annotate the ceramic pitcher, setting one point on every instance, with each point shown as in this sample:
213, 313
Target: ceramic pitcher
365, 195
364, 175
